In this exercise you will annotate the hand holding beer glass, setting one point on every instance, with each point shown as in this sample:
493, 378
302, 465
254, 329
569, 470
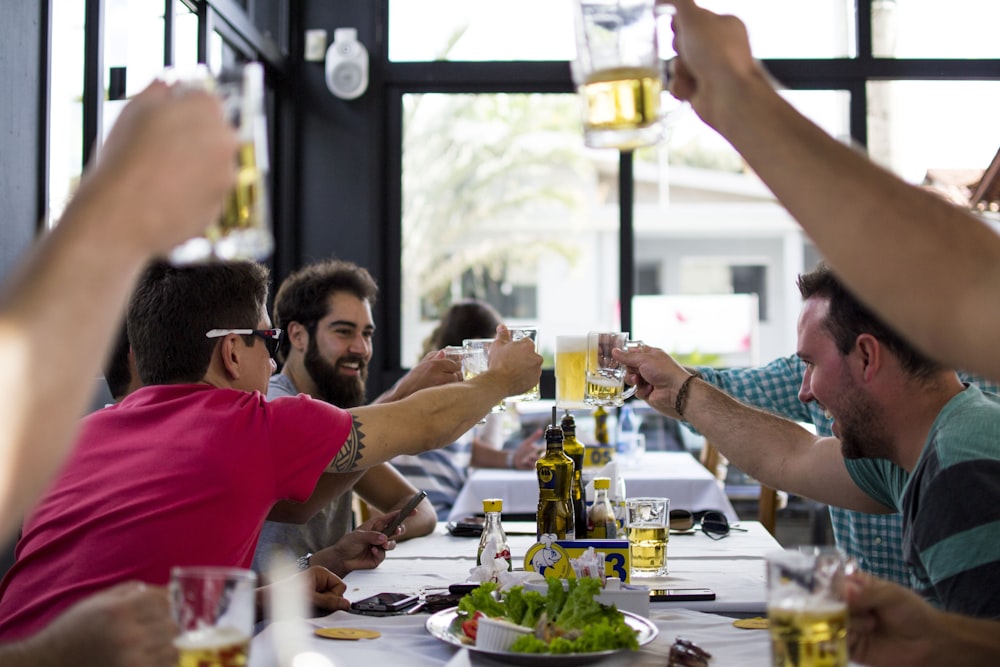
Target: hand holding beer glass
243, 231
535, 393
214, 607
807, 608
605, 374
476, 361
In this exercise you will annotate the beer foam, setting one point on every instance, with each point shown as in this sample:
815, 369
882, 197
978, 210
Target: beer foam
571, 344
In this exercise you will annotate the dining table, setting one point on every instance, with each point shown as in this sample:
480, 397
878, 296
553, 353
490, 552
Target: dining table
733, 567
678, 476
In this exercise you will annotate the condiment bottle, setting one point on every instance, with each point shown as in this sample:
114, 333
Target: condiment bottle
601, 522
493, 532
576, 451
617, 498
555, 480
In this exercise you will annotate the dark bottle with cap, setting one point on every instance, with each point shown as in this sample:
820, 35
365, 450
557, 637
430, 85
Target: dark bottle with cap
576, 451
555, 481
601, 426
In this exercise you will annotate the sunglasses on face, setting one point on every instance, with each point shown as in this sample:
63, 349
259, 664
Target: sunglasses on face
713, 522
271, 337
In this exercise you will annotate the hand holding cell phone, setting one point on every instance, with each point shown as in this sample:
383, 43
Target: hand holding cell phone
411, 505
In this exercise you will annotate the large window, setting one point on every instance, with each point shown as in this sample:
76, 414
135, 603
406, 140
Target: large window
501, 201
123, 55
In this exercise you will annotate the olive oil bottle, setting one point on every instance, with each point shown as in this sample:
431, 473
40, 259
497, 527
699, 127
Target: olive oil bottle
576, 451
555, 481
601, 426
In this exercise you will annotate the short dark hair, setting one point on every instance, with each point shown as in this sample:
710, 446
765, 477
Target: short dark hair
302, 296
117, 373
848, 318
174, 307
464, 319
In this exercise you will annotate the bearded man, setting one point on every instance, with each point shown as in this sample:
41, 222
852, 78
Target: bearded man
909, 437
325, 310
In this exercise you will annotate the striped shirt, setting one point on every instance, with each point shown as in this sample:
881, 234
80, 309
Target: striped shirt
950, 505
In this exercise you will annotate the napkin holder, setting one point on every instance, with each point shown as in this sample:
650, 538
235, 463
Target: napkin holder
551, 557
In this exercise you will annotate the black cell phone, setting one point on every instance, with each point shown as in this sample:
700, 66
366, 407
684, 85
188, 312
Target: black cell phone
462, 589
384, 602
681, 594
470, 526
403, 513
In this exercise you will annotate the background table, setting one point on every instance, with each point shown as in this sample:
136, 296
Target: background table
675, 475
733, 567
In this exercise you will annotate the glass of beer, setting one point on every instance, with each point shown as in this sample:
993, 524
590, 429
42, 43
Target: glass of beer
476, 361
806, 607
214, 609
647, 521
571, 371
618, 73
606, 375
243, 231
535, 393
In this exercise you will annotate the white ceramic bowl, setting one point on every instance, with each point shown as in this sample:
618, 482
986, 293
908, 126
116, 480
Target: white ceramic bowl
496, 635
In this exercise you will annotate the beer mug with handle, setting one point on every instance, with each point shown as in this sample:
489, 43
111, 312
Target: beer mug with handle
605, 374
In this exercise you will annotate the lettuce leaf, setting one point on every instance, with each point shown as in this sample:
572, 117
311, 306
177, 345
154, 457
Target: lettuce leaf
577, 623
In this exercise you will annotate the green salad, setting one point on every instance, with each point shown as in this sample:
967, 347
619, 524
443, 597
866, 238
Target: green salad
566, 620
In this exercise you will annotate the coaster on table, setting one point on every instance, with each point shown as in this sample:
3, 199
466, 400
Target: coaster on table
756, 623
347, 633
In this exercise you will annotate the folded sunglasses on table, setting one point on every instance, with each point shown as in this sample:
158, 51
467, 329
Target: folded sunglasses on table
712, 522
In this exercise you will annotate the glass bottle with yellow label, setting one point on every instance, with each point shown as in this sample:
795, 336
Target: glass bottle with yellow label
601, 522
555, 480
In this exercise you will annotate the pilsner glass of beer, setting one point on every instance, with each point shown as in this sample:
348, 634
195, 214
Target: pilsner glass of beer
571, 371
243, 231
647, 521
806, 607
214, 609
606, 375
618, 73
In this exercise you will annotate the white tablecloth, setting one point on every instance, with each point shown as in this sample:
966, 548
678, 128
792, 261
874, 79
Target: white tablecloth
674, 475
733, 567
405, 642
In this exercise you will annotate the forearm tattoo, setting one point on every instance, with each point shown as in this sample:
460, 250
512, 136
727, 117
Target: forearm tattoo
349, 456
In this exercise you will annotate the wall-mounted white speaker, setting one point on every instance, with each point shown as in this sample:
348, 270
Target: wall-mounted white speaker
346, 65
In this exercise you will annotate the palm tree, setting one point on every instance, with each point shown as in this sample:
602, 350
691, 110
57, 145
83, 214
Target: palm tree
481, 172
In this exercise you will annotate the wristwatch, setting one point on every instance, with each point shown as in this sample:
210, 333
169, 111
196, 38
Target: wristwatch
303, 561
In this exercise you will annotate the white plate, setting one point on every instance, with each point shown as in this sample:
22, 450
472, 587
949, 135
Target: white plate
440, 626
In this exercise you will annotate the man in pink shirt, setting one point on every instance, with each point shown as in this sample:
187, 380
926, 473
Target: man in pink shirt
185, 470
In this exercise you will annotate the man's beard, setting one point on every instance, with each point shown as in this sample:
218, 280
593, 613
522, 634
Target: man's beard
862, 433
344, 391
